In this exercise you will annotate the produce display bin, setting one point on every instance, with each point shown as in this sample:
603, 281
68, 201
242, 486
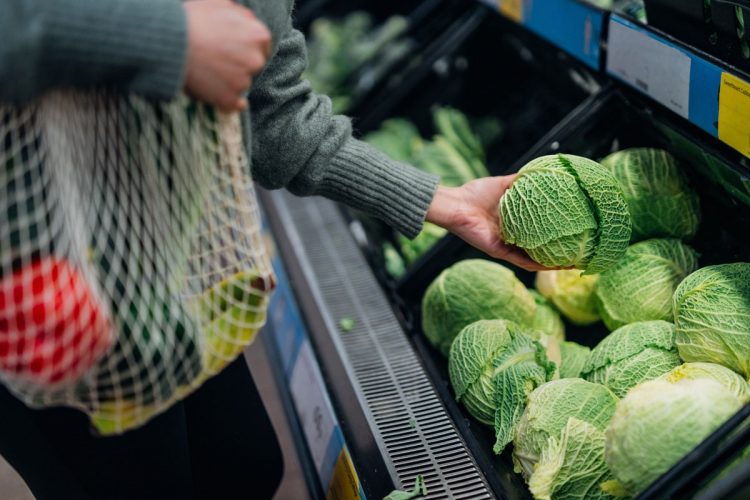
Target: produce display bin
427, 19
715, 27
593, 133
722, 179
387, 385
484, 66
391, 385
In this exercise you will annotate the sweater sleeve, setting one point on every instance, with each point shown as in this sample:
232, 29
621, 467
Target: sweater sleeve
299, 144
137, 46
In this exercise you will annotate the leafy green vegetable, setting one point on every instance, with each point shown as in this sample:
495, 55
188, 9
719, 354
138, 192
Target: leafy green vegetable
493, 366
346, 324
454, 132
414, 249
398, 138
640, 286
546, 319
455, 154
419, 490
633, 354
572, 466
567, 211
573, 358
712, 315
559, 442
394, 262
338, 49
726, 377
572, 294
547, 329
469, 291
658, 423
660, 202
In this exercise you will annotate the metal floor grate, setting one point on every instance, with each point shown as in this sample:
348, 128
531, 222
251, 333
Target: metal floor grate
411, 426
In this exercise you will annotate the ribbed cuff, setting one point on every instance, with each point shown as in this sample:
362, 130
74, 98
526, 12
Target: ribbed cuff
366, 179
138, 45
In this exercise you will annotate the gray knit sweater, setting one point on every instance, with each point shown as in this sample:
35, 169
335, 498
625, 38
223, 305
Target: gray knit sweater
140, 46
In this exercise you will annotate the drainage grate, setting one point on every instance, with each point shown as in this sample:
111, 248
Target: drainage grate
412, 428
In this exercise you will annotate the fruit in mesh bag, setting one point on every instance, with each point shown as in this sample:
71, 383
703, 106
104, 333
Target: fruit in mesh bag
235, 310
52, 327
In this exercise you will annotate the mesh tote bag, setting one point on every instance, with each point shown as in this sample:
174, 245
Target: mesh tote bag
132, 263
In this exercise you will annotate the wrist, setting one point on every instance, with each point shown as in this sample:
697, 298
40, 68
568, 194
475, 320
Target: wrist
444, 207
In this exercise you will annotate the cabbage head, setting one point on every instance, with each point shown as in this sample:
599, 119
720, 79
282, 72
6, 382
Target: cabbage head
660, 202
546, 318
572, 293
721, 374
567, 211
641, 285
633, 354
658, 423
573, 358
547, 329
493, 366
712, 315
559, 443
469, 291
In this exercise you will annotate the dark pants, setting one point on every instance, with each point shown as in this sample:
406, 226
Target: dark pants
217, 444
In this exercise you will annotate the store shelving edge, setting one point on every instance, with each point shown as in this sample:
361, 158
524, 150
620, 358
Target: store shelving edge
574, 26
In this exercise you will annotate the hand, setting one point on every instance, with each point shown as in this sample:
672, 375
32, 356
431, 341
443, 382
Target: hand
471, 213
227, 46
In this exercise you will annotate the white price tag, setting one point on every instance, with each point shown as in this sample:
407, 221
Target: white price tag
656, 69
311, 403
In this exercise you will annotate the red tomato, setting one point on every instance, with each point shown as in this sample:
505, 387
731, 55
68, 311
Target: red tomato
52, 328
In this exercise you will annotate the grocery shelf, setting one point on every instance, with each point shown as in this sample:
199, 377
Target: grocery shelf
709, 92
387, 383
614, 84
693, 85
583, 24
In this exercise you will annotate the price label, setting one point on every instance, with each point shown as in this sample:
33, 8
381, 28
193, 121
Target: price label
344, 483
655, 68
512, 9
734, 113
311, 404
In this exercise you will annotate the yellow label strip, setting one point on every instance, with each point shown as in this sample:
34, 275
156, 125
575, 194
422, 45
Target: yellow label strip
734, 113
512, 9
344, 483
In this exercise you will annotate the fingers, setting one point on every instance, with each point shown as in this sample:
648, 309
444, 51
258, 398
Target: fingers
521, 260
259, 38
227, 47
242, 104
507, 182
515, 256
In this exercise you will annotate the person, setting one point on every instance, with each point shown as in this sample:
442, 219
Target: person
219, 442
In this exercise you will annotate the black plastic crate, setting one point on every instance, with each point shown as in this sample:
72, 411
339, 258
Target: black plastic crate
427, 19
712, 27
484, 65
614, 121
